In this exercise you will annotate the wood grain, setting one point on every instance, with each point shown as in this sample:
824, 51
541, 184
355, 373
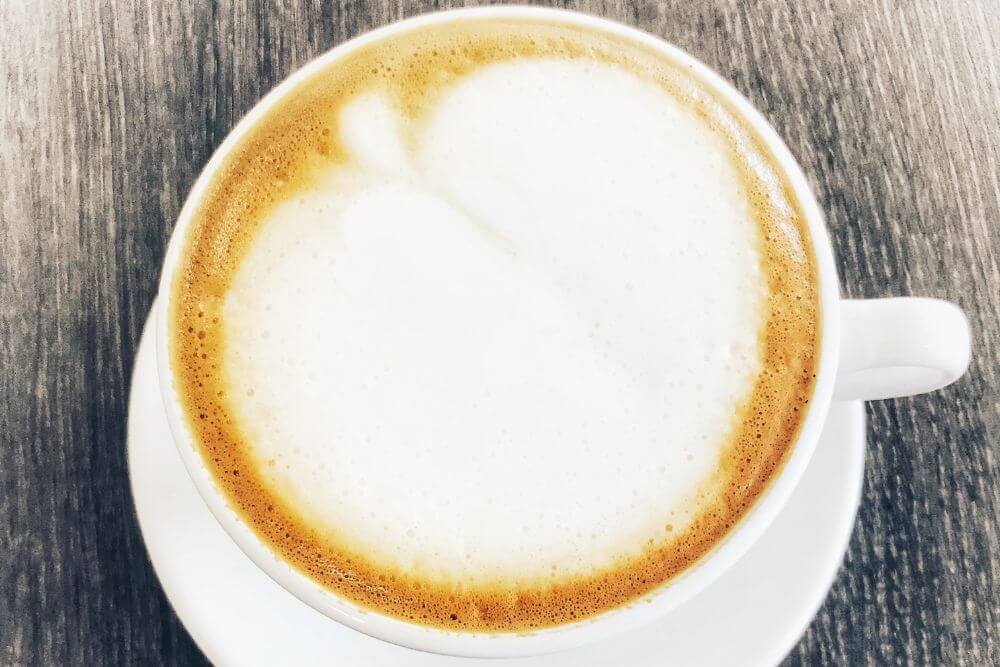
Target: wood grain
111, 107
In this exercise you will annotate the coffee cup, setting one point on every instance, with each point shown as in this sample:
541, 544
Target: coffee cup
867, 350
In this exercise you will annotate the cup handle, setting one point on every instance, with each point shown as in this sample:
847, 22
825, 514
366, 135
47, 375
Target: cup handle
900, 347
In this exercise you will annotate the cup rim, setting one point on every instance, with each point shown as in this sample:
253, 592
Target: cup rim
653, 605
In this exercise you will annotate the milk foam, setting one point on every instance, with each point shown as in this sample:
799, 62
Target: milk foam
506, 339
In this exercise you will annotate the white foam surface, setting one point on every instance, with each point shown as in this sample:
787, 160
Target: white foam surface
514, 346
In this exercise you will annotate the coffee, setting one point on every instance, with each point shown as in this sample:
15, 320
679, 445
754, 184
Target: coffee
495, 326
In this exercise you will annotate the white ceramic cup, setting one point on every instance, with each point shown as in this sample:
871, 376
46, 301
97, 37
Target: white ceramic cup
870, 349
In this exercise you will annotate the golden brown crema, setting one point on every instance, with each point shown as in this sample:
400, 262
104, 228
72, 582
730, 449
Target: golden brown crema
649, 370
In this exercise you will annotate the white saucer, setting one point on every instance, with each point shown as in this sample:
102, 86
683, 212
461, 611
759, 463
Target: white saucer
239, 616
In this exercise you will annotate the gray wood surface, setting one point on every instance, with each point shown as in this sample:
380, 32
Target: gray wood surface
109, 108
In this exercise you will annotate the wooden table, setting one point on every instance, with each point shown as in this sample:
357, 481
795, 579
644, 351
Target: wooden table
111, 108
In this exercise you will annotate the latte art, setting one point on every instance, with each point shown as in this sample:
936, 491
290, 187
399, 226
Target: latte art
497, 326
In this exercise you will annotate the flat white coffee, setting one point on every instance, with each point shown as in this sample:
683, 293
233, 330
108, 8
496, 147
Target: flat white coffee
505, 350
516, 346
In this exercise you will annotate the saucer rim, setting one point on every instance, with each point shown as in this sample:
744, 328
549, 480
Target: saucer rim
145, 363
